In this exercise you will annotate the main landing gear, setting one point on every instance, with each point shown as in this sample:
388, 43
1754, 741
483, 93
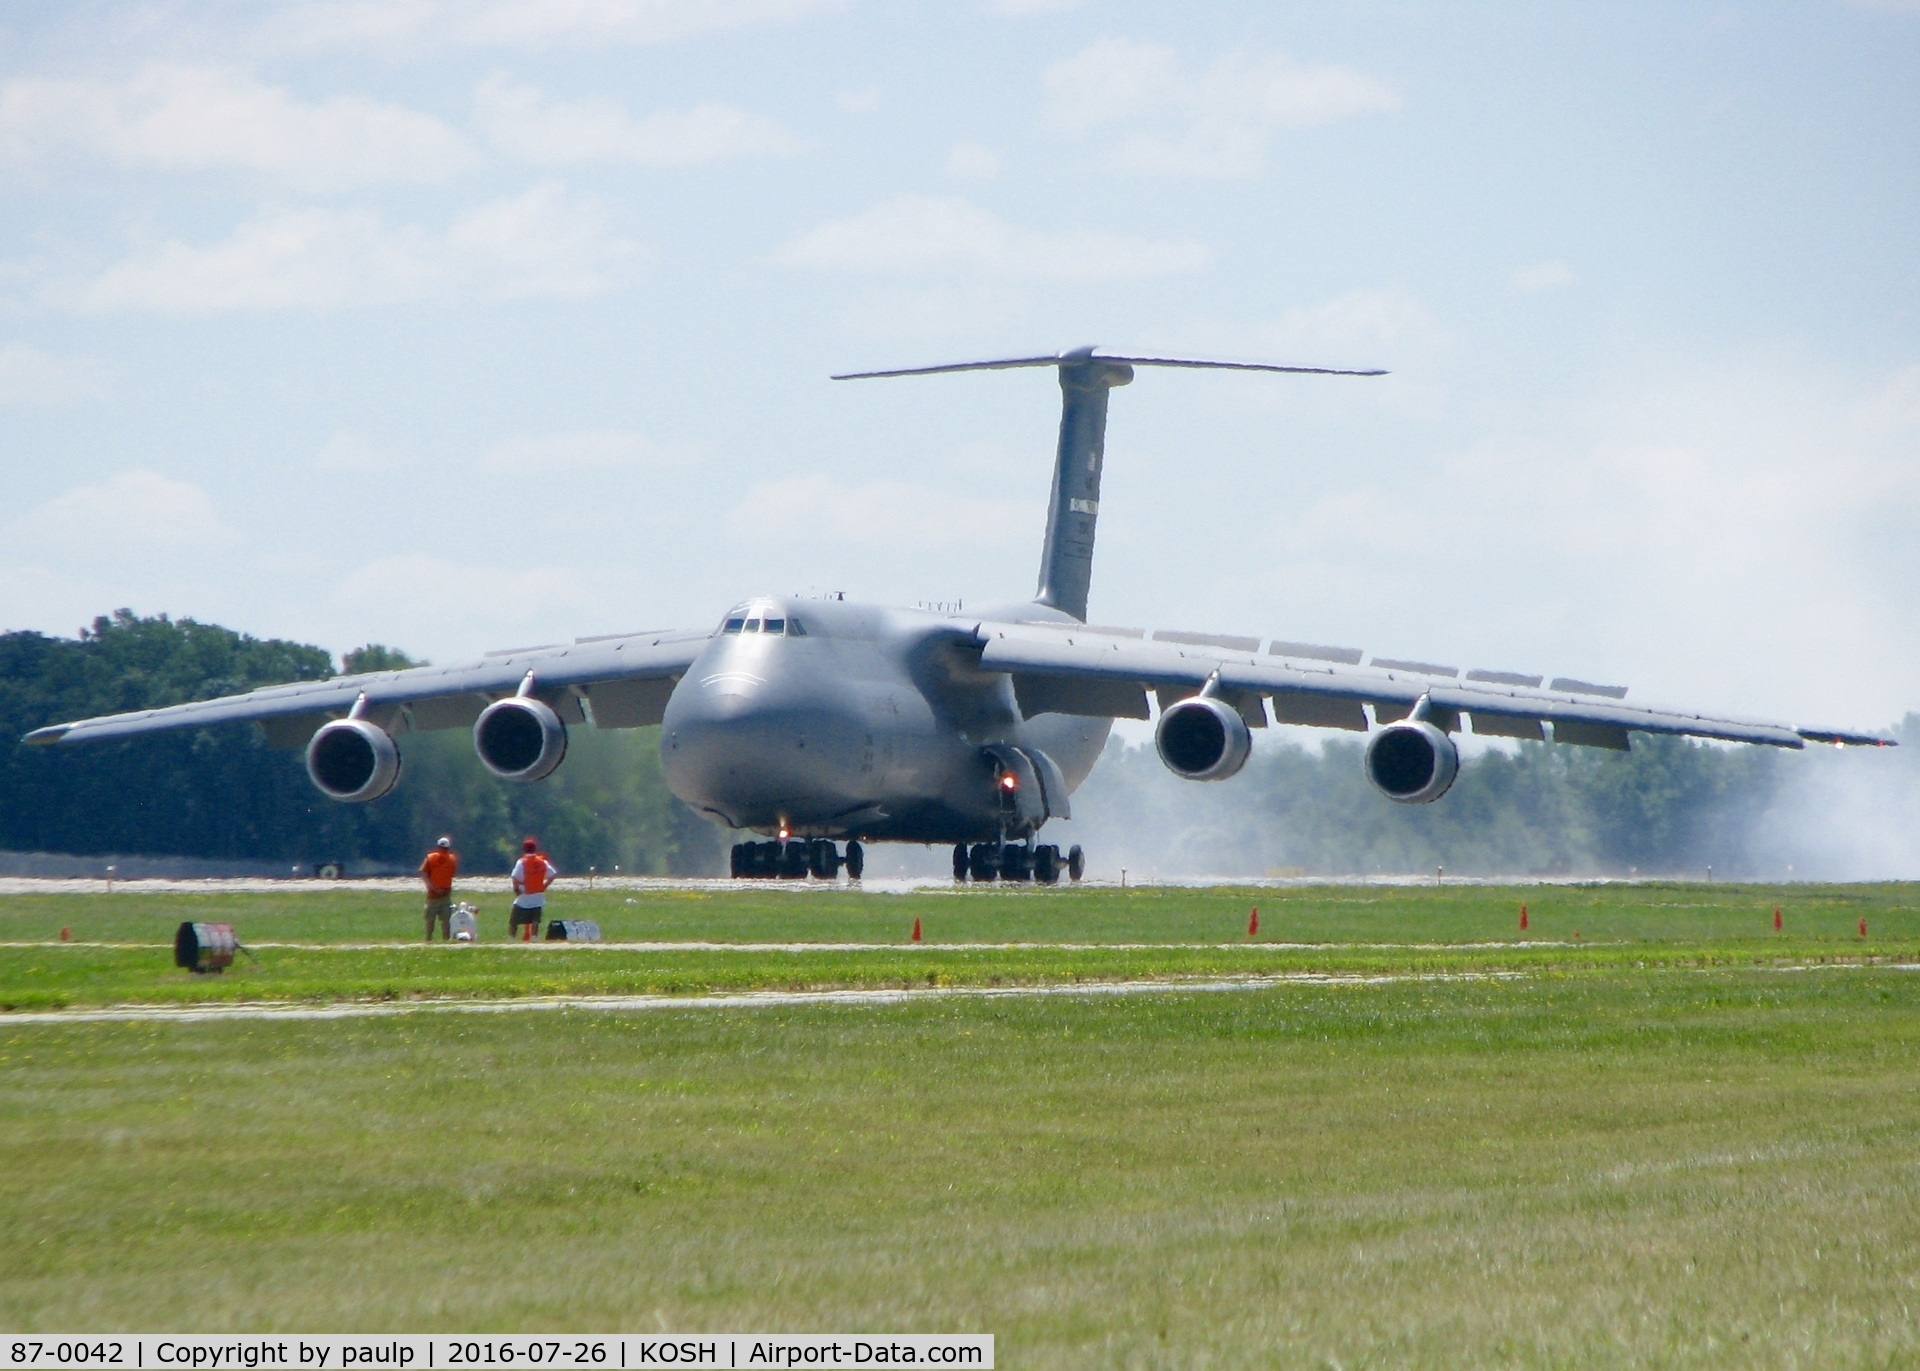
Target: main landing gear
1016, 862
795, 860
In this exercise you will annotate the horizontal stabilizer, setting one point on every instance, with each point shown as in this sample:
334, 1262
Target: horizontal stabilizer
1090, 355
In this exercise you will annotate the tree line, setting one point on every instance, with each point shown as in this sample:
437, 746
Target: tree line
223, 793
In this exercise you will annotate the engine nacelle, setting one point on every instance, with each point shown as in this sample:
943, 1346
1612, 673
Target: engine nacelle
1202, 739
1412, 762
353, 760
520, 738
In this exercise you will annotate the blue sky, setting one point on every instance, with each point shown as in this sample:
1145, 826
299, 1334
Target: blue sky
468, 326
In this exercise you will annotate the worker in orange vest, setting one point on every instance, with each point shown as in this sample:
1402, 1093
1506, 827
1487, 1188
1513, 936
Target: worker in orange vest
532, 874
437, 871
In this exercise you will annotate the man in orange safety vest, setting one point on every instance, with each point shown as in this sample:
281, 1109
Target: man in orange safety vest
532, 874
437, 871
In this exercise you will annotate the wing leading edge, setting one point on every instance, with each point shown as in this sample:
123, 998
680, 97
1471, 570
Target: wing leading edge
609, 674
1047, 661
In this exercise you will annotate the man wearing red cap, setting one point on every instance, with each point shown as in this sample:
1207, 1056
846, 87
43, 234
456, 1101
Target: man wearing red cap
532, 874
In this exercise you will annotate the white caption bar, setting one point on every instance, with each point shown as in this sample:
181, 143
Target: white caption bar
489, 1351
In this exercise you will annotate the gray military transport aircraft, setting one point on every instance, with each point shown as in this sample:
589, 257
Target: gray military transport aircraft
815, 722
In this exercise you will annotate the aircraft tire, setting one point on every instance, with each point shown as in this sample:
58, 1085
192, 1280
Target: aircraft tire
856, 860
736, 862
1076, 862
960, 862
1016, 863
823, 860
983, 863
1046, 864
790, 861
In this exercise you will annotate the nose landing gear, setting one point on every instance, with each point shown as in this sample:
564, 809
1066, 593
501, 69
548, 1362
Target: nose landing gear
1017, 862
795, 860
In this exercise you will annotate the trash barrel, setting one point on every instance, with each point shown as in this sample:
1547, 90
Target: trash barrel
204, 948
573, 931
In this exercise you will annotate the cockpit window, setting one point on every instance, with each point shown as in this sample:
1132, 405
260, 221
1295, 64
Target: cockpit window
775, 626
753, 625
734, 625
795, 629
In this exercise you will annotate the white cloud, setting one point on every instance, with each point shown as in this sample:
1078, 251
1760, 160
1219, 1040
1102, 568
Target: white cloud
523, 123
182, 118
523, 24
570, 453
1352, 328
134, 509
434, 588
1221, 116
29, 376
353, 454
1543, 276
892, 515
972, 162
938, 311
922, 235
539, 244
1737, 540
863, 101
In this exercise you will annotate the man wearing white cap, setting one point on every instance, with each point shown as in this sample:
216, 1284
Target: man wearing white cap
438, 871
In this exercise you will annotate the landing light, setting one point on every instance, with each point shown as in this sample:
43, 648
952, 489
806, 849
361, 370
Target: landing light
1009, 781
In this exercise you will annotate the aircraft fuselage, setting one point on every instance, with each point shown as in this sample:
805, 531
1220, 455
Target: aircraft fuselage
855, 721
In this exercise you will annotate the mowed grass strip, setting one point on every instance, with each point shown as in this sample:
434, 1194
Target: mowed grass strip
804, 912
1618, 1169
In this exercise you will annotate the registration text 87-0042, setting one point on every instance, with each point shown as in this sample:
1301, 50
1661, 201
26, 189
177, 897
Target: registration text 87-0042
73, 1352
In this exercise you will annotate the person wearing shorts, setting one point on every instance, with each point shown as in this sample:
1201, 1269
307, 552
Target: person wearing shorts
532, 874
437, 871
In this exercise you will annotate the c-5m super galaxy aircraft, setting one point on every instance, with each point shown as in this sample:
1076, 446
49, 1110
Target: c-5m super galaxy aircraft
821, 722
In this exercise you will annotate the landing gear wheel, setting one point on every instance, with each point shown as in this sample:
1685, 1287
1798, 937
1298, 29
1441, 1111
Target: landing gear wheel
1046, 864
960, 862
983, 862
823, 860
1016, 863
856, 861
1076, 862
792, 861
737, 861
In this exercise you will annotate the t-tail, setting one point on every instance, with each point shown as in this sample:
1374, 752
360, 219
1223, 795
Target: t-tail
1073, 510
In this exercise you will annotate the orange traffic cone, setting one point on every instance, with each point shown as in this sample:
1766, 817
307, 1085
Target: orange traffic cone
1523, 918
916, 930
1863, 927
66, 935
1776, 918
1253, 923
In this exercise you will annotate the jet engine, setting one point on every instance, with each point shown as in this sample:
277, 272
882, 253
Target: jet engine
353, 760
520, 738
1202, 739
1412, 762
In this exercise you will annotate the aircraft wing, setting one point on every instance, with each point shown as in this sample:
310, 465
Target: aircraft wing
624, 680
1070, 669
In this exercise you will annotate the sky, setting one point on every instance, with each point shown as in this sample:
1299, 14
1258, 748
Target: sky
467, 326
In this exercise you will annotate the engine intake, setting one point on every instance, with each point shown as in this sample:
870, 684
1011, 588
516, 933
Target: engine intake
1202, 739
520, 738
1412, 762
353, 760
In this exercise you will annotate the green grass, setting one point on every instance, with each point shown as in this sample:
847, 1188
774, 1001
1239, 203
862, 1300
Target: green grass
1624, 1168
1682, 1141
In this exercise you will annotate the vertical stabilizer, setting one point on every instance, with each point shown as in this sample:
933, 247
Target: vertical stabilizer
1073, 510
1066, 564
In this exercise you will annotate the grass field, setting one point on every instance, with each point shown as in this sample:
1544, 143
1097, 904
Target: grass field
1683, 1141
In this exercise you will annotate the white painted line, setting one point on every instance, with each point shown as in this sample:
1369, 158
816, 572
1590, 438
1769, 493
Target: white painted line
749, 999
